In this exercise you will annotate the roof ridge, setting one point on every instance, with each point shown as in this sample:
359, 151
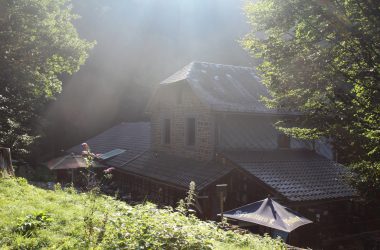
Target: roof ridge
224, 65
185, 71
222, 87
179, 75
268, 150
189, 68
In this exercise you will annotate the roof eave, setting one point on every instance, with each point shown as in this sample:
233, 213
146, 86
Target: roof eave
173, 185
321, 201
261, 113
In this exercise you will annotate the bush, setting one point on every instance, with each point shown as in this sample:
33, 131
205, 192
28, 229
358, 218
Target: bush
31, 223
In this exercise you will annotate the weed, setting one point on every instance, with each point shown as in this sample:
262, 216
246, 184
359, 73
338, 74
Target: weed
28, 226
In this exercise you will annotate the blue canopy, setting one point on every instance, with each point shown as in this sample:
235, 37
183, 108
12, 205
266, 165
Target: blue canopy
268, 213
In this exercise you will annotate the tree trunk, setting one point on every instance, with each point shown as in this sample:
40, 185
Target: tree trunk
6, 161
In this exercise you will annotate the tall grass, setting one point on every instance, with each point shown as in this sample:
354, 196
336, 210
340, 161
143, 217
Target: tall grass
116, 224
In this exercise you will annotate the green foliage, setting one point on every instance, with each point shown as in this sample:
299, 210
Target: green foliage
301, 133
32, 222
94, 228
125, 227
38, 44
184, 206
366, 177
322, 58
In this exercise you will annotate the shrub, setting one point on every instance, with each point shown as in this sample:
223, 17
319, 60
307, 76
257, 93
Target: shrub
32, 222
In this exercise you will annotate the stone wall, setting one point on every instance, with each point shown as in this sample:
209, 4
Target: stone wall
178, 103
213, 132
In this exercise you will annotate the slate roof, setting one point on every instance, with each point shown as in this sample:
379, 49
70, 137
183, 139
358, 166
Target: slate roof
133, 137
298, 175
242, 133
176, 170
252, 133
139, 159
224, 87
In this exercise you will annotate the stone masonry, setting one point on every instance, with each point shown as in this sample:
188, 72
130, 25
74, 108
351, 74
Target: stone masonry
178, 104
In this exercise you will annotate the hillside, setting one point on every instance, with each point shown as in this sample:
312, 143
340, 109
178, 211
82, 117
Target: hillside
33, 218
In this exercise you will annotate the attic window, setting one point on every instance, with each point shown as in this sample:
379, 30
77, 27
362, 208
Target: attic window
166, 131
190, 131
111, 153
283, 141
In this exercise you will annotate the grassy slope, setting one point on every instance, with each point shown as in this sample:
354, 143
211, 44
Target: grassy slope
126, 227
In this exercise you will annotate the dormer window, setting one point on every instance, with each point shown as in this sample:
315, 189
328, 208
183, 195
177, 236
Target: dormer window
283, 141
190, 131
166, 131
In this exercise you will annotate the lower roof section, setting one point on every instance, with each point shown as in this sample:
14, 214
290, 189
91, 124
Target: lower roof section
177, 170
298, 175
132, 138
134, 141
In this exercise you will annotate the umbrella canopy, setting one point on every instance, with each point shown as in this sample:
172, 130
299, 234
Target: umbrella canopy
268, 213
69, 162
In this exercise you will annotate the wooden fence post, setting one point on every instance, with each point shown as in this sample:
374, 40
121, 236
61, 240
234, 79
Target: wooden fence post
6, 161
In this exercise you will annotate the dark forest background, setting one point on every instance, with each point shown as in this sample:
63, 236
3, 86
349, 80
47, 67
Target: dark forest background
139, 44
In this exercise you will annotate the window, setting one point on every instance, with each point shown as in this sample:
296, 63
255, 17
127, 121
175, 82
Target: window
190, 132
283, 141
166, 131
111, 153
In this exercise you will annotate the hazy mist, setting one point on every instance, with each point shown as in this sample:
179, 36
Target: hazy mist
139, 44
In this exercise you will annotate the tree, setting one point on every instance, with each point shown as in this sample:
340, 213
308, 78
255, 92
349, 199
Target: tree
38, 46
322, 58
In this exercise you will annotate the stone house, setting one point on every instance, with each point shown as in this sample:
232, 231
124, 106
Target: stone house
209, 126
